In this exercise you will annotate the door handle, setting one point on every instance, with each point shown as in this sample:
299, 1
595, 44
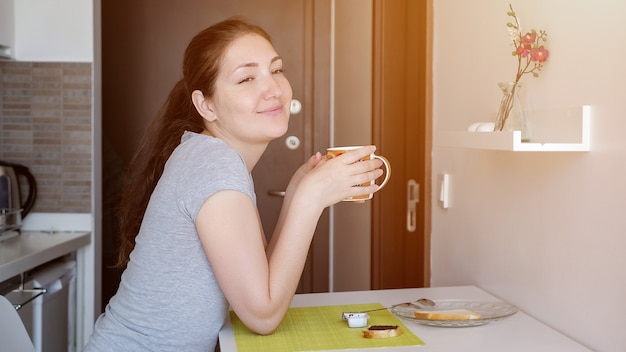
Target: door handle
276, 193
412, 198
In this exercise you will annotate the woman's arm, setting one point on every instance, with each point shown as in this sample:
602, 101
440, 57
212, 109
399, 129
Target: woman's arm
291, 187
258, 291
259, 283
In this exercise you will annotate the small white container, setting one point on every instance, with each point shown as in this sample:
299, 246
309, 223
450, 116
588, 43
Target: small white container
356, 320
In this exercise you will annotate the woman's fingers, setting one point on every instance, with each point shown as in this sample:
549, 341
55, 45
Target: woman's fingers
368, 176
348, 175
310, 164
365, 166
355, 155
356, 178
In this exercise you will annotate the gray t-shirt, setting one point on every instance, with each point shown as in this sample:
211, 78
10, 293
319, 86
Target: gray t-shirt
169, 299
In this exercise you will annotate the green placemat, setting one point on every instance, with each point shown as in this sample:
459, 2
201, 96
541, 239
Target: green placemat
321, 328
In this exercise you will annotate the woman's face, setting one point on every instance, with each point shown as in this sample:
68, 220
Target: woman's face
252, 95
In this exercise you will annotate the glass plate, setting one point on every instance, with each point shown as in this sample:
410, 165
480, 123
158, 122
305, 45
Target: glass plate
489, 311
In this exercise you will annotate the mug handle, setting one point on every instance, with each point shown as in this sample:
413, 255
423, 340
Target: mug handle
387, 170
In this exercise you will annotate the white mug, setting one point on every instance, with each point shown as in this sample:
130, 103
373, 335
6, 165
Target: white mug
336, 151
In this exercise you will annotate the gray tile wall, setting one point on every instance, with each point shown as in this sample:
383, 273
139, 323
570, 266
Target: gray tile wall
45, 124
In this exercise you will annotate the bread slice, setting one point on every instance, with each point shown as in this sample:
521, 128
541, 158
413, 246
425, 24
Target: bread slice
448, 314
382, 331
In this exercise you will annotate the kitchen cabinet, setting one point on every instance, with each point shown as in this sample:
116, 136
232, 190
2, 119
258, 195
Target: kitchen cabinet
45, 252
47, 31
7, 28
38, 276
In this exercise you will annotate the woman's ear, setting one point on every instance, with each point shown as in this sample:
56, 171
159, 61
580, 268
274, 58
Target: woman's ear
203, 105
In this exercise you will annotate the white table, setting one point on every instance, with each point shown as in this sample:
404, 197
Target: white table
519, 332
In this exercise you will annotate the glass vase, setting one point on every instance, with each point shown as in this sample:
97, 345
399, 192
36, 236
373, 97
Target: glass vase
511, 116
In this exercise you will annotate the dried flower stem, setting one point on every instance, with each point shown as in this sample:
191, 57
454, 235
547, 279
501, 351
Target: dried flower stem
506, 104
530, 59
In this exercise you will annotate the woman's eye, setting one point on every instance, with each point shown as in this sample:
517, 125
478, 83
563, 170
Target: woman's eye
278, 71
246, 79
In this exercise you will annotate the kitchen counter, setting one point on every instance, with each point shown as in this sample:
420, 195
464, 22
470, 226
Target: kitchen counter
33, 248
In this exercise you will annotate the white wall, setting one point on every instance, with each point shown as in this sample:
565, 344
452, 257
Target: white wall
544, 231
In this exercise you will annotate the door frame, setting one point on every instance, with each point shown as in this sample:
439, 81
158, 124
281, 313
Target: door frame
315, 277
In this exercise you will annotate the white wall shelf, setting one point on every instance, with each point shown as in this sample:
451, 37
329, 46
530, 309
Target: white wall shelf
563, 130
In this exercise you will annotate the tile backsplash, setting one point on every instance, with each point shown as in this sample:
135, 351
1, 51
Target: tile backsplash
45, 124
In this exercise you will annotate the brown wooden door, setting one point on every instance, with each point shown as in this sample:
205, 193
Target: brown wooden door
142, 46
401, 97
303, 39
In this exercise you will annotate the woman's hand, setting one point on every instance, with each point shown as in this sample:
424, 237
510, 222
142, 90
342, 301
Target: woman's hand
331, 181
303, 170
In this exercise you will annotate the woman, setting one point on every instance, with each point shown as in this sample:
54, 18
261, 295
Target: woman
199, 243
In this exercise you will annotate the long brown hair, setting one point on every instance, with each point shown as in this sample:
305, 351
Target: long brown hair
201, 66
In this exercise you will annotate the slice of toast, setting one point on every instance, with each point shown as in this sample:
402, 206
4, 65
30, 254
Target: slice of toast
448, 314
382, 331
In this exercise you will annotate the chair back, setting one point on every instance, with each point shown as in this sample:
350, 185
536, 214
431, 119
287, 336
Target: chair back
13, 334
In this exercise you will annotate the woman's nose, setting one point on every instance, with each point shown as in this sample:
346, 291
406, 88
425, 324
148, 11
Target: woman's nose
272, 88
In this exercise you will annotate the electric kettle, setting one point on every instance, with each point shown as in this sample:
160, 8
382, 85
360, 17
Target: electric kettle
10, 190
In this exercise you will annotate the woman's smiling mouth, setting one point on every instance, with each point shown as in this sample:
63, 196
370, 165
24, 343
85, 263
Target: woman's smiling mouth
275, 110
